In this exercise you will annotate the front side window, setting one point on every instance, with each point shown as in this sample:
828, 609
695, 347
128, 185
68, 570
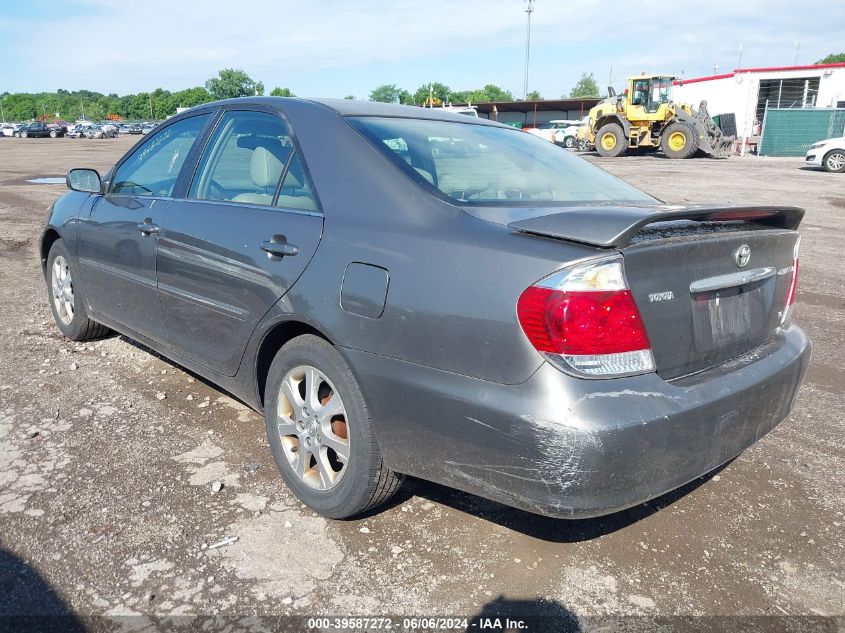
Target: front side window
153, 168
475, 164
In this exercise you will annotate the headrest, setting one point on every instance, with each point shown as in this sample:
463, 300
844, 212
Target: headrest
264, 168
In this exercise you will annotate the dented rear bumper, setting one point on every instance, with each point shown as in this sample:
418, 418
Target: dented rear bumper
570, 447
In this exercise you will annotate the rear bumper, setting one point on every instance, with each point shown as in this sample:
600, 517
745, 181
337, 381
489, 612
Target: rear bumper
569, 447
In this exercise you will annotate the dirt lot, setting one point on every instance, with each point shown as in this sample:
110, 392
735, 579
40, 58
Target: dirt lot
108, 453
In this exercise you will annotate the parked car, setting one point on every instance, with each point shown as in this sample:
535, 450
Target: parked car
7, 129
78, 131
560, 132
39, 129
101, 131
512, 321
133, 128
147, 128
829, 154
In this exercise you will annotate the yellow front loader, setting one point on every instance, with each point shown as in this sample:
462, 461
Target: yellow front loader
645, 116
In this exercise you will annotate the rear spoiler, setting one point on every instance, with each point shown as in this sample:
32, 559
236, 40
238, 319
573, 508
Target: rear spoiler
613, 227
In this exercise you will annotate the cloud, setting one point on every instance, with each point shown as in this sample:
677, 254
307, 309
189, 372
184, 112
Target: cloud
331, 47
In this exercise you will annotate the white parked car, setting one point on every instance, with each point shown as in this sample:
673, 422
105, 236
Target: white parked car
829, 154
560, 131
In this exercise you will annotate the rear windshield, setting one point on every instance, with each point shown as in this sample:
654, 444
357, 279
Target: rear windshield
489, 165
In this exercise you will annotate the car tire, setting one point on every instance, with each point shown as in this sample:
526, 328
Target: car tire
569, 142
678, 140
24, 134
339, 486
611, 141
583, 145
834, 161
60, 273
53, 134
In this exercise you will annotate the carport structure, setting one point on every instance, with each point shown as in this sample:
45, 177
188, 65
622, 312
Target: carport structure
533, 113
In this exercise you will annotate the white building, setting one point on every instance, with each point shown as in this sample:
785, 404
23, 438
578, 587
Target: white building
748, 91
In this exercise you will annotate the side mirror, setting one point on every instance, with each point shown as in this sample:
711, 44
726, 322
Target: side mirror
85, 180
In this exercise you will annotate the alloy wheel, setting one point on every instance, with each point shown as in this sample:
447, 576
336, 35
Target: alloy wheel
61, 283
836, 161
312, 425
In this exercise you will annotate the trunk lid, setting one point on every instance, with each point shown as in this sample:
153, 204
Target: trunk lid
711, 283
699, 306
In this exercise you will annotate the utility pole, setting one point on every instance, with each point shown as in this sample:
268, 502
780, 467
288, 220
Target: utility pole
150, 99
529, 9
797, 50
2, 113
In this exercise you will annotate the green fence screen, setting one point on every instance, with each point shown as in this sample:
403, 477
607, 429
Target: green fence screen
791, 132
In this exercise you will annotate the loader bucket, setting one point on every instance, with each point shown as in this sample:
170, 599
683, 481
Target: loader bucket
723, 147
713, 141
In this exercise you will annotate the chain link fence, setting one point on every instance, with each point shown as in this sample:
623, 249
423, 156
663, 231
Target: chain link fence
790, 132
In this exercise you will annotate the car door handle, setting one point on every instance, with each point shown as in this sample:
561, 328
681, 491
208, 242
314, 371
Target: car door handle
148, 228
279, 249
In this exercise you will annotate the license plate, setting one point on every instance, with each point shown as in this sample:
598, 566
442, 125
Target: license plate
729, 316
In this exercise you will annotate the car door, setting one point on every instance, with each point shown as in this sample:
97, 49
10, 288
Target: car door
241, 235
117, 242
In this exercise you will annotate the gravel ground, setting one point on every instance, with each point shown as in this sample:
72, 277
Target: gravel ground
108, 454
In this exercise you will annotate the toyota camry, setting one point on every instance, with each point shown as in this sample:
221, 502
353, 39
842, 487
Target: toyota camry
503, 317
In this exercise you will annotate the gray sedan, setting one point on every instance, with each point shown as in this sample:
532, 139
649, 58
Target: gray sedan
503, 317
101, 131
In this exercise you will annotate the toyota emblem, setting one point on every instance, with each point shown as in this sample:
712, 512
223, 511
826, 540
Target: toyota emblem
742, 255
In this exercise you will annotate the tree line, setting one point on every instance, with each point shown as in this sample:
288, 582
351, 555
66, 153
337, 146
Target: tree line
441, 93
155, 105
229, 83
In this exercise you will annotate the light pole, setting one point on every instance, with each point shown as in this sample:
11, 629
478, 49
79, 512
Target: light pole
529, 9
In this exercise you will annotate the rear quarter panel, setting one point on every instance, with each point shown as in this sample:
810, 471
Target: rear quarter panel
454, 280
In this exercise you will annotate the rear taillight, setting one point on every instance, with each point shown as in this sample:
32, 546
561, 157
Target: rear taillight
793, 281
585, 320
790, 297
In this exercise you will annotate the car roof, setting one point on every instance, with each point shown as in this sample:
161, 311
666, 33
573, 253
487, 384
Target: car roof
350, 107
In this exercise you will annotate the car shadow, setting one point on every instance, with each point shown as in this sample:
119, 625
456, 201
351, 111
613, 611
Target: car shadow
181, 368
543, 527
28, 603
534, 616
538, 526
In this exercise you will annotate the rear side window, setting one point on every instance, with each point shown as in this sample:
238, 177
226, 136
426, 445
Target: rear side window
251, 158
153, 168
296, 192
475, 164
244, 159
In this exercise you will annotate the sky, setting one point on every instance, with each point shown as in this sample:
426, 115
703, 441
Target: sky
334, 48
